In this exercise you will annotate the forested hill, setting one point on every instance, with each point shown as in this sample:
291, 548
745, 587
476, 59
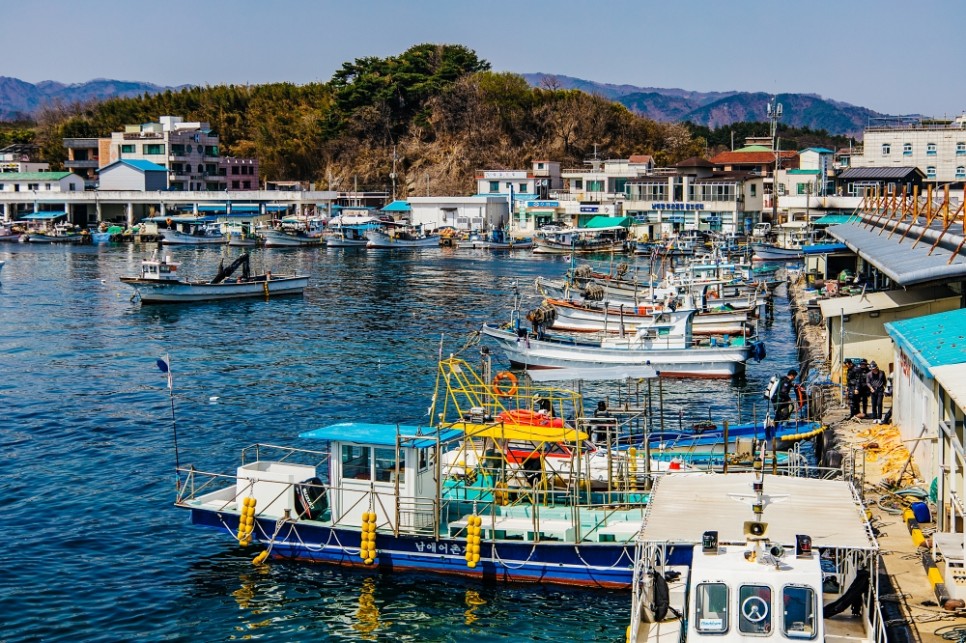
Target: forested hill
438, 108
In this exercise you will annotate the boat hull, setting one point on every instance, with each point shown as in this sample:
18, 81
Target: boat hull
766, 252
572, 317
379, 239
605, 565
547, 247
697, 362
154, 291
280, 239
177, 238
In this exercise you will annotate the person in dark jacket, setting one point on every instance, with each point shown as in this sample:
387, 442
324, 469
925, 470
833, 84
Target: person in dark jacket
783, 407
876, 382
855, 382
860, 389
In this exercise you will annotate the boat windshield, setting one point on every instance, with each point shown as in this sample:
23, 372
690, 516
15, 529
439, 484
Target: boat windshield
754, 609
798, 621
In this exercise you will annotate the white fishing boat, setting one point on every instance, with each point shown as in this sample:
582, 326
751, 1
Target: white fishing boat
496, 239
580, 240
294, 232
747, 556
666, 344
192, 232
8, 233
159, 282
595, 317
399, 235
350, 231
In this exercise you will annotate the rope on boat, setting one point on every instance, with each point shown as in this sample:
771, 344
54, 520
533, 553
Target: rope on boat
497, 558
258, 560
616, 563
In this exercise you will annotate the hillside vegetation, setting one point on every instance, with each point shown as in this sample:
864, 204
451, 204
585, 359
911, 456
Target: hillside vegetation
438, 108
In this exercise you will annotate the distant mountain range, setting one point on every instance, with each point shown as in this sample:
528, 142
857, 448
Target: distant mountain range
715, 109
22, 100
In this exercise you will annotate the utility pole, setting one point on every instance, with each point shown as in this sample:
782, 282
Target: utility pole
774, 114
392, 175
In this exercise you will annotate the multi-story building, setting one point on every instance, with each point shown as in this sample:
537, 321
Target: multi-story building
937, 147
240, 174
19, 157
694, 196
83, 158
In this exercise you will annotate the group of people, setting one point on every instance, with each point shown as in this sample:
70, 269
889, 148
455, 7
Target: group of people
865, 383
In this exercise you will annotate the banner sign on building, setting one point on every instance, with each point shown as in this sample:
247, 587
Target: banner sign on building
586, 209
494, 174
543, 204
678, 206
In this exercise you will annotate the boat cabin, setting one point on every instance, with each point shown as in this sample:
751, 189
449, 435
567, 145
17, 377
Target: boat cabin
159, 268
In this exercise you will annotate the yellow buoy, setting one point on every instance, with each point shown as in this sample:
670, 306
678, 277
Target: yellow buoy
258, 560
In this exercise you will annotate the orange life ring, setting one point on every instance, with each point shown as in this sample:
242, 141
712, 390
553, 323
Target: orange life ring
497, 381
712, 294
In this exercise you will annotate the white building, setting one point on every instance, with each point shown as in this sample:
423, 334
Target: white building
937, 147
19, 158
133, 175
465, 213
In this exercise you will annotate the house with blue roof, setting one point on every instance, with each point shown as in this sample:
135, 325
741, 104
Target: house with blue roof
929, 397
133, 174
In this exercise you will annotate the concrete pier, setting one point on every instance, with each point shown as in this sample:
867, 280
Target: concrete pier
909, 589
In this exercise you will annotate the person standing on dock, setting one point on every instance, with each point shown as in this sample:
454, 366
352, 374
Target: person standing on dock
858, 389
876, 381
783, 407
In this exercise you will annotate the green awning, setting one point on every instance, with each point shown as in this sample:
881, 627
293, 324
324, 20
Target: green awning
835, 219
609, 222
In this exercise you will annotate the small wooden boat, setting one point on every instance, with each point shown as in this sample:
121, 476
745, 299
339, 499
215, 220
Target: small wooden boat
350, 231
294, 232
159, 283
580, 241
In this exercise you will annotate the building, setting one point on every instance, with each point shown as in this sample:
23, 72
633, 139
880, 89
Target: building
860, 180
28, 192
239, 173
83, 158
694, 196
463, 213
133, 175
936, 147
19, 158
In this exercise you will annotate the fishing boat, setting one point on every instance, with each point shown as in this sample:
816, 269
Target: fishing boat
8, 233
192, 232
602, 317
580, 240
751, 556
496, 239
771, 252
159, 282
58, 233
243, 236
666, 343
400, 235
294, 232
350, 231
106, 233
405, 498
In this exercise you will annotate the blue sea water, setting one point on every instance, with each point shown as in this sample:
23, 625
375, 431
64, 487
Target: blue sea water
95, 549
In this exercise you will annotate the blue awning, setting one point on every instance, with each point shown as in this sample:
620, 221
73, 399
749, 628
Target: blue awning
380, 435
43, 216
177, 219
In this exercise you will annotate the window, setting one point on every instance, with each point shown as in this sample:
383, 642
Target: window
595, 186
539, 166
753, 189
961, 147
356, 463
930, 149
33, 186
886, 149
907, 149
234, 185
127, 149
578, 184
522, 188
798, 619
754, 609
246, 185
711, 608
961, 172
930, 171
234, 169
153, 148
47, 186
494, 186
386, 466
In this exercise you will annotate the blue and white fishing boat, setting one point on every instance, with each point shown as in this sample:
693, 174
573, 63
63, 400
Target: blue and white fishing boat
748, 556
400, 235
294, 232
408, 498
347, 231
159, 282
192, 232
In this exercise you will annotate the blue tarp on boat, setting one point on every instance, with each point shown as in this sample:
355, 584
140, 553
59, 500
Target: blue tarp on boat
823, 248
43, 216
380, 434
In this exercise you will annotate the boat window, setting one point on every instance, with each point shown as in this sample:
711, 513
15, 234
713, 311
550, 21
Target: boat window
798, 619
356, 463
711, 608
754, 609
386, 466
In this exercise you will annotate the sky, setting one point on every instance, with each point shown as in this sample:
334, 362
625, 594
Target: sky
892, 56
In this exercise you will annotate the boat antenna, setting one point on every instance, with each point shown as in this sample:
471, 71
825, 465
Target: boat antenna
164, 365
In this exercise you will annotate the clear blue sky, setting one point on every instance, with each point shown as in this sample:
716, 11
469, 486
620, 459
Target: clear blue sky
892, 56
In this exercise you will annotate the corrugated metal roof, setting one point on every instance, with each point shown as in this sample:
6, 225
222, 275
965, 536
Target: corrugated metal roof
932, 340
800, 171
684, 505
886, 300
858, 173
903, 264
144, 166
33, 176
836, 219
952, 377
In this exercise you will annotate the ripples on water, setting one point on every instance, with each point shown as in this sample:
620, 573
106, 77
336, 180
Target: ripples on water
95, 549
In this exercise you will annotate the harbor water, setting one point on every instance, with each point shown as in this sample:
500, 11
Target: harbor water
96, 551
